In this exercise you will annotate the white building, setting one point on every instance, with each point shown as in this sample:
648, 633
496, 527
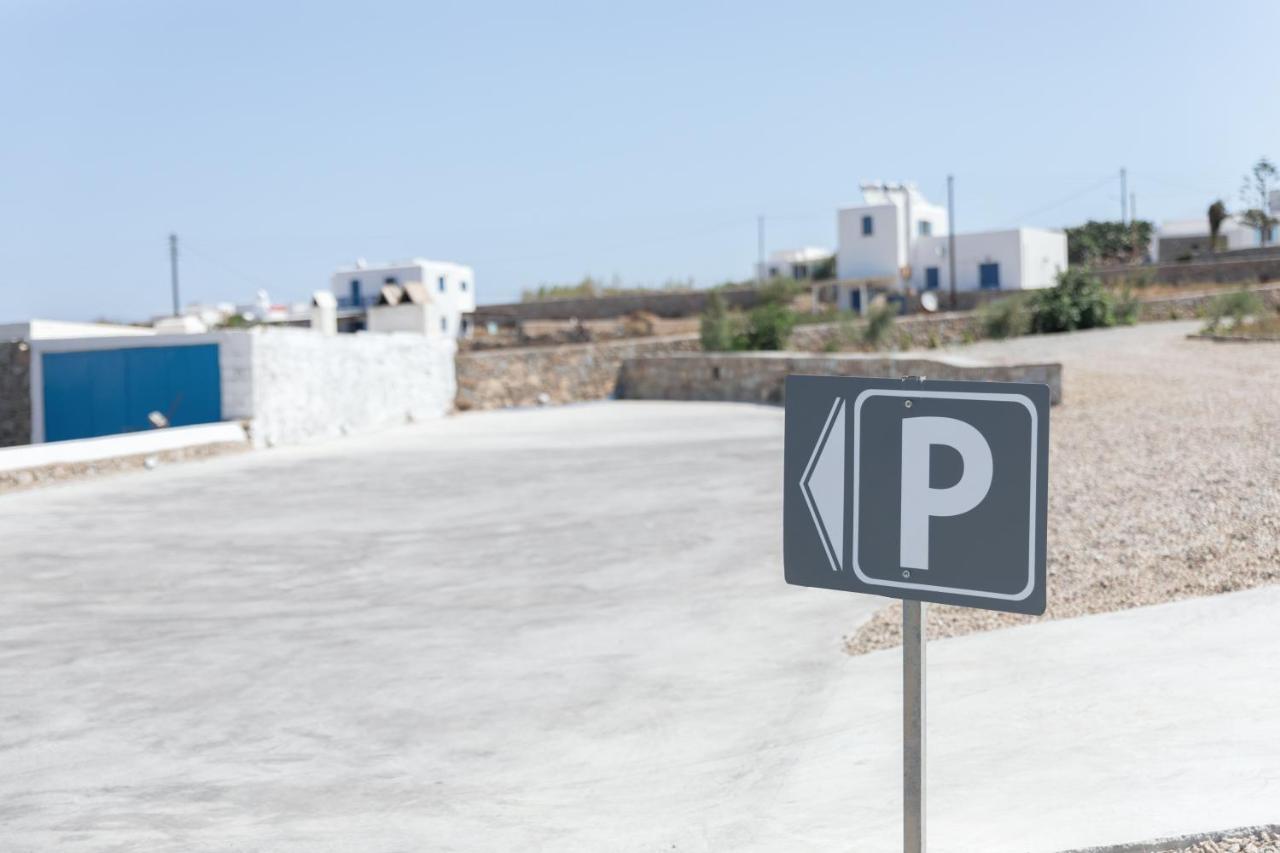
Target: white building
407, 308
875, 238
1183, 239
44, 330
1013, 259
800, 264
898, 240
208, 315
449, 290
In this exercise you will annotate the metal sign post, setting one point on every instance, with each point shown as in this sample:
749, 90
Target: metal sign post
921, 491
913, 614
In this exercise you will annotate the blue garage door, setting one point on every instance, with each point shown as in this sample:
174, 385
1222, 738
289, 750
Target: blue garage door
104, 392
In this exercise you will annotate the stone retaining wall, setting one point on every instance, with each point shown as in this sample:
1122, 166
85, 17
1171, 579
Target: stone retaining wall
15, 393
675, 303
759, 377
914, 331
519, 377
1244, 270
1193, 305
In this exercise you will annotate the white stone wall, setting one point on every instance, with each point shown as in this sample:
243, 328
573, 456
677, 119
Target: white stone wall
235, 363
306, 385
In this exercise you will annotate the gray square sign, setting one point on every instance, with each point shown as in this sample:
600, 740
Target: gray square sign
933, 491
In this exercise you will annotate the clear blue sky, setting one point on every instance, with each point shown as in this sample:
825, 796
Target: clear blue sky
542, 141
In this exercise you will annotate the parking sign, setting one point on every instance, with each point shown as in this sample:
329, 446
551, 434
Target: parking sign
932, 491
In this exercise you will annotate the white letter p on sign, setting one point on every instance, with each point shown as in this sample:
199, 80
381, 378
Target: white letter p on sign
919, 501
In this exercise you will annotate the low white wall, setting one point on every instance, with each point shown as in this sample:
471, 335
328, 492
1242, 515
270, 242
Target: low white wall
113, 446
306, 385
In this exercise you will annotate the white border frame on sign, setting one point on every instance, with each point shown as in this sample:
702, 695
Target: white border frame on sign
947, 395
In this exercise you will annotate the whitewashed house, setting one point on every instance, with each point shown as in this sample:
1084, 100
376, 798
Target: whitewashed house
1184, 239
444, 294
897, 240
800, 264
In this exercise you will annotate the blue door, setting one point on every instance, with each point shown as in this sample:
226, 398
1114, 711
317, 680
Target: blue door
855, 300
930, 278
989, 276
105, 392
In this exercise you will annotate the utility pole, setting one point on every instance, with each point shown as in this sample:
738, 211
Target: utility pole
1133, 226
951, 236
1124, 197
760, 249
173, 270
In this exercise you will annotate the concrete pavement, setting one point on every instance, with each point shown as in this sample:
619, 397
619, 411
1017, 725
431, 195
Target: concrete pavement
559, 628
562, 629
1122, 727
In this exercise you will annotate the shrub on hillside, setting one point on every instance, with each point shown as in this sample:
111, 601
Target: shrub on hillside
1005, 318
716, 327
1077, 301
1126, 309
768, 327
1234, 306
879, 328
782, 290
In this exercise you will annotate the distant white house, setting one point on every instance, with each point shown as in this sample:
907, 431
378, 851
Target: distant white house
200, 316
800, 264
1183, 239
897, 239
447, 292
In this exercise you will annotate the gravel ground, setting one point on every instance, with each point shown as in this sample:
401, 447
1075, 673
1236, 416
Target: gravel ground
1262, 842
1164, 475
1252, 839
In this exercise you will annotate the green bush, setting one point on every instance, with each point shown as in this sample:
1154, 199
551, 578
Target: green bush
782, 290
716, 329
1235, 306
768, 327
1077, 301
1126, 308
879, 327
1005, 318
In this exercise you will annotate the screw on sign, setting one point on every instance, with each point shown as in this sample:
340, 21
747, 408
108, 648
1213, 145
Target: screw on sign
923, 491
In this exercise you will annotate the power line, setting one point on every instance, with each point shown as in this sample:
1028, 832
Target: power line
254, 280
1075, 195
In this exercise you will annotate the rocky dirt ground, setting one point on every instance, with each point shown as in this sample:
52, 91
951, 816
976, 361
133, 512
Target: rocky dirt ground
1259, 842
1164, 474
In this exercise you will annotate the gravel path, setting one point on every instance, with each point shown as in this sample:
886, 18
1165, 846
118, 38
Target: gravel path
1262, 842
1164, 474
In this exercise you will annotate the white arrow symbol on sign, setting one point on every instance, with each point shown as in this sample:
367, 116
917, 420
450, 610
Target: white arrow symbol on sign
822, 484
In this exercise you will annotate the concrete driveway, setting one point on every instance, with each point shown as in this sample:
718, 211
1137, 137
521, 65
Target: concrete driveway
561, 629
